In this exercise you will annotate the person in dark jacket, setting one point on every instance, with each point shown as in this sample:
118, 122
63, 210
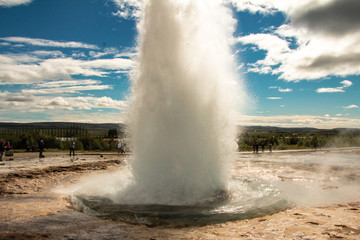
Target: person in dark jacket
2, 149
7, 146
72, 147
41, 148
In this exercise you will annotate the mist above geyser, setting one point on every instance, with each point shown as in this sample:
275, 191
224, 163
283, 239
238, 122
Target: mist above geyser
181, 117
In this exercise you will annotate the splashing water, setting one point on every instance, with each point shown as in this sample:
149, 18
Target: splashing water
181, 122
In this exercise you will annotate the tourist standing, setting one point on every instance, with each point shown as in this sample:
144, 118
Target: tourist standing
2, 149
72, 147
41, 148
119, 147
7, 146
7, 149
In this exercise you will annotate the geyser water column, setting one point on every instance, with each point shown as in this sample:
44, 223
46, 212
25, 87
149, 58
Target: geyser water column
182, 127
183, 89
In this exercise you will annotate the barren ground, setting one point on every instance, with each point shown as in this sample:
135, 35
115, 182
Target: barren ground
29, 209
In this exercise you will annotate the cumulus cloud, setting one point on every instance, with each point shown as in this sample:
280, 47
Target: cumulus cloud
345, 84
334, 18
12, 3
327, 36
48, 43
274, 45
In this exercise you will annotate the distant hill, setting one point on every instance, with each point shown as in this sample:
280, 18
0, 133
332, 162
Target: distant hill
46, 125
270, 128
107, 126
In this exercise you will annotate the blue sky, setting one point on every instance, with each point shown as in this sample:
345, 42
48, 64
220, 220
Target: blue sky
70, 60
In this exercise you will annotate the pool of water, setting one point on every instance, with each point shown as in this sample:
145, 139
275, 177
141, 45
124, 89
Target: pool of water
246, 198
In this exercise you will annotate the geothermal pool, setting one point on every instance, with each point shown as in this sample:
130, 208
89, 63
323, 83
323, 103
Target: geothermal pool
260, 184
246, 198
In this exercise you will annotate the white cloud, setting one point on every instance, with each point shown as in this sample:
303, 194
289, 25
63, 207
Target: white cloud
345, 83
322, 122
333, 18
109, 64
42, 53
106, 51
274, 98
128, 8
89, 117
351, 106
274, 45
330, 90
48, 43
82, 103
327, 34
281, 89
285, 90
79, 55
27, 69
62, 83
26, 100
65, 90
12, 3
255, 6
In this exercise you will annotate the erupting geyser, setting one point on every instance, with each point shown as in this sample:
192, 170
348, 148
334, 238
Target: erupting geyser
181, 124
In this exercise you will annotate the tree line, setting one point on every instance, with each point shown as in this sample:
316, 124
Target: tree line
28, 138
298, 138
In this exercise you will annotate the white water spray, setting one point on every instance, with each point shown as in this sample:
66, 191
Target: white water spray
181, 122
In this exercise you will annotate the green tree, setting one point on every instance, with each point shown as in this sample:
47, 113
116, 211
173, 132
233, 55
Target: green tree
112, 133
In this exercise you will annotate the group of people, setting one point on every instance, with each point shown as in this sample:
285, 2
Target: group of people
5, 148
120, 148
256, 147
42, 146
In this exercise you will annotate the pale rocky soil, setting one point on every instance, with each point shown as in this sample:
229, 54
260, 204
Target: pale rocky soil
29, 209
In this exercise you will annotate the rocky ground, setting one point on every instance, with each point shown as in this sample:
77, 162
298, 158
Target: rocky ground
30, 209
